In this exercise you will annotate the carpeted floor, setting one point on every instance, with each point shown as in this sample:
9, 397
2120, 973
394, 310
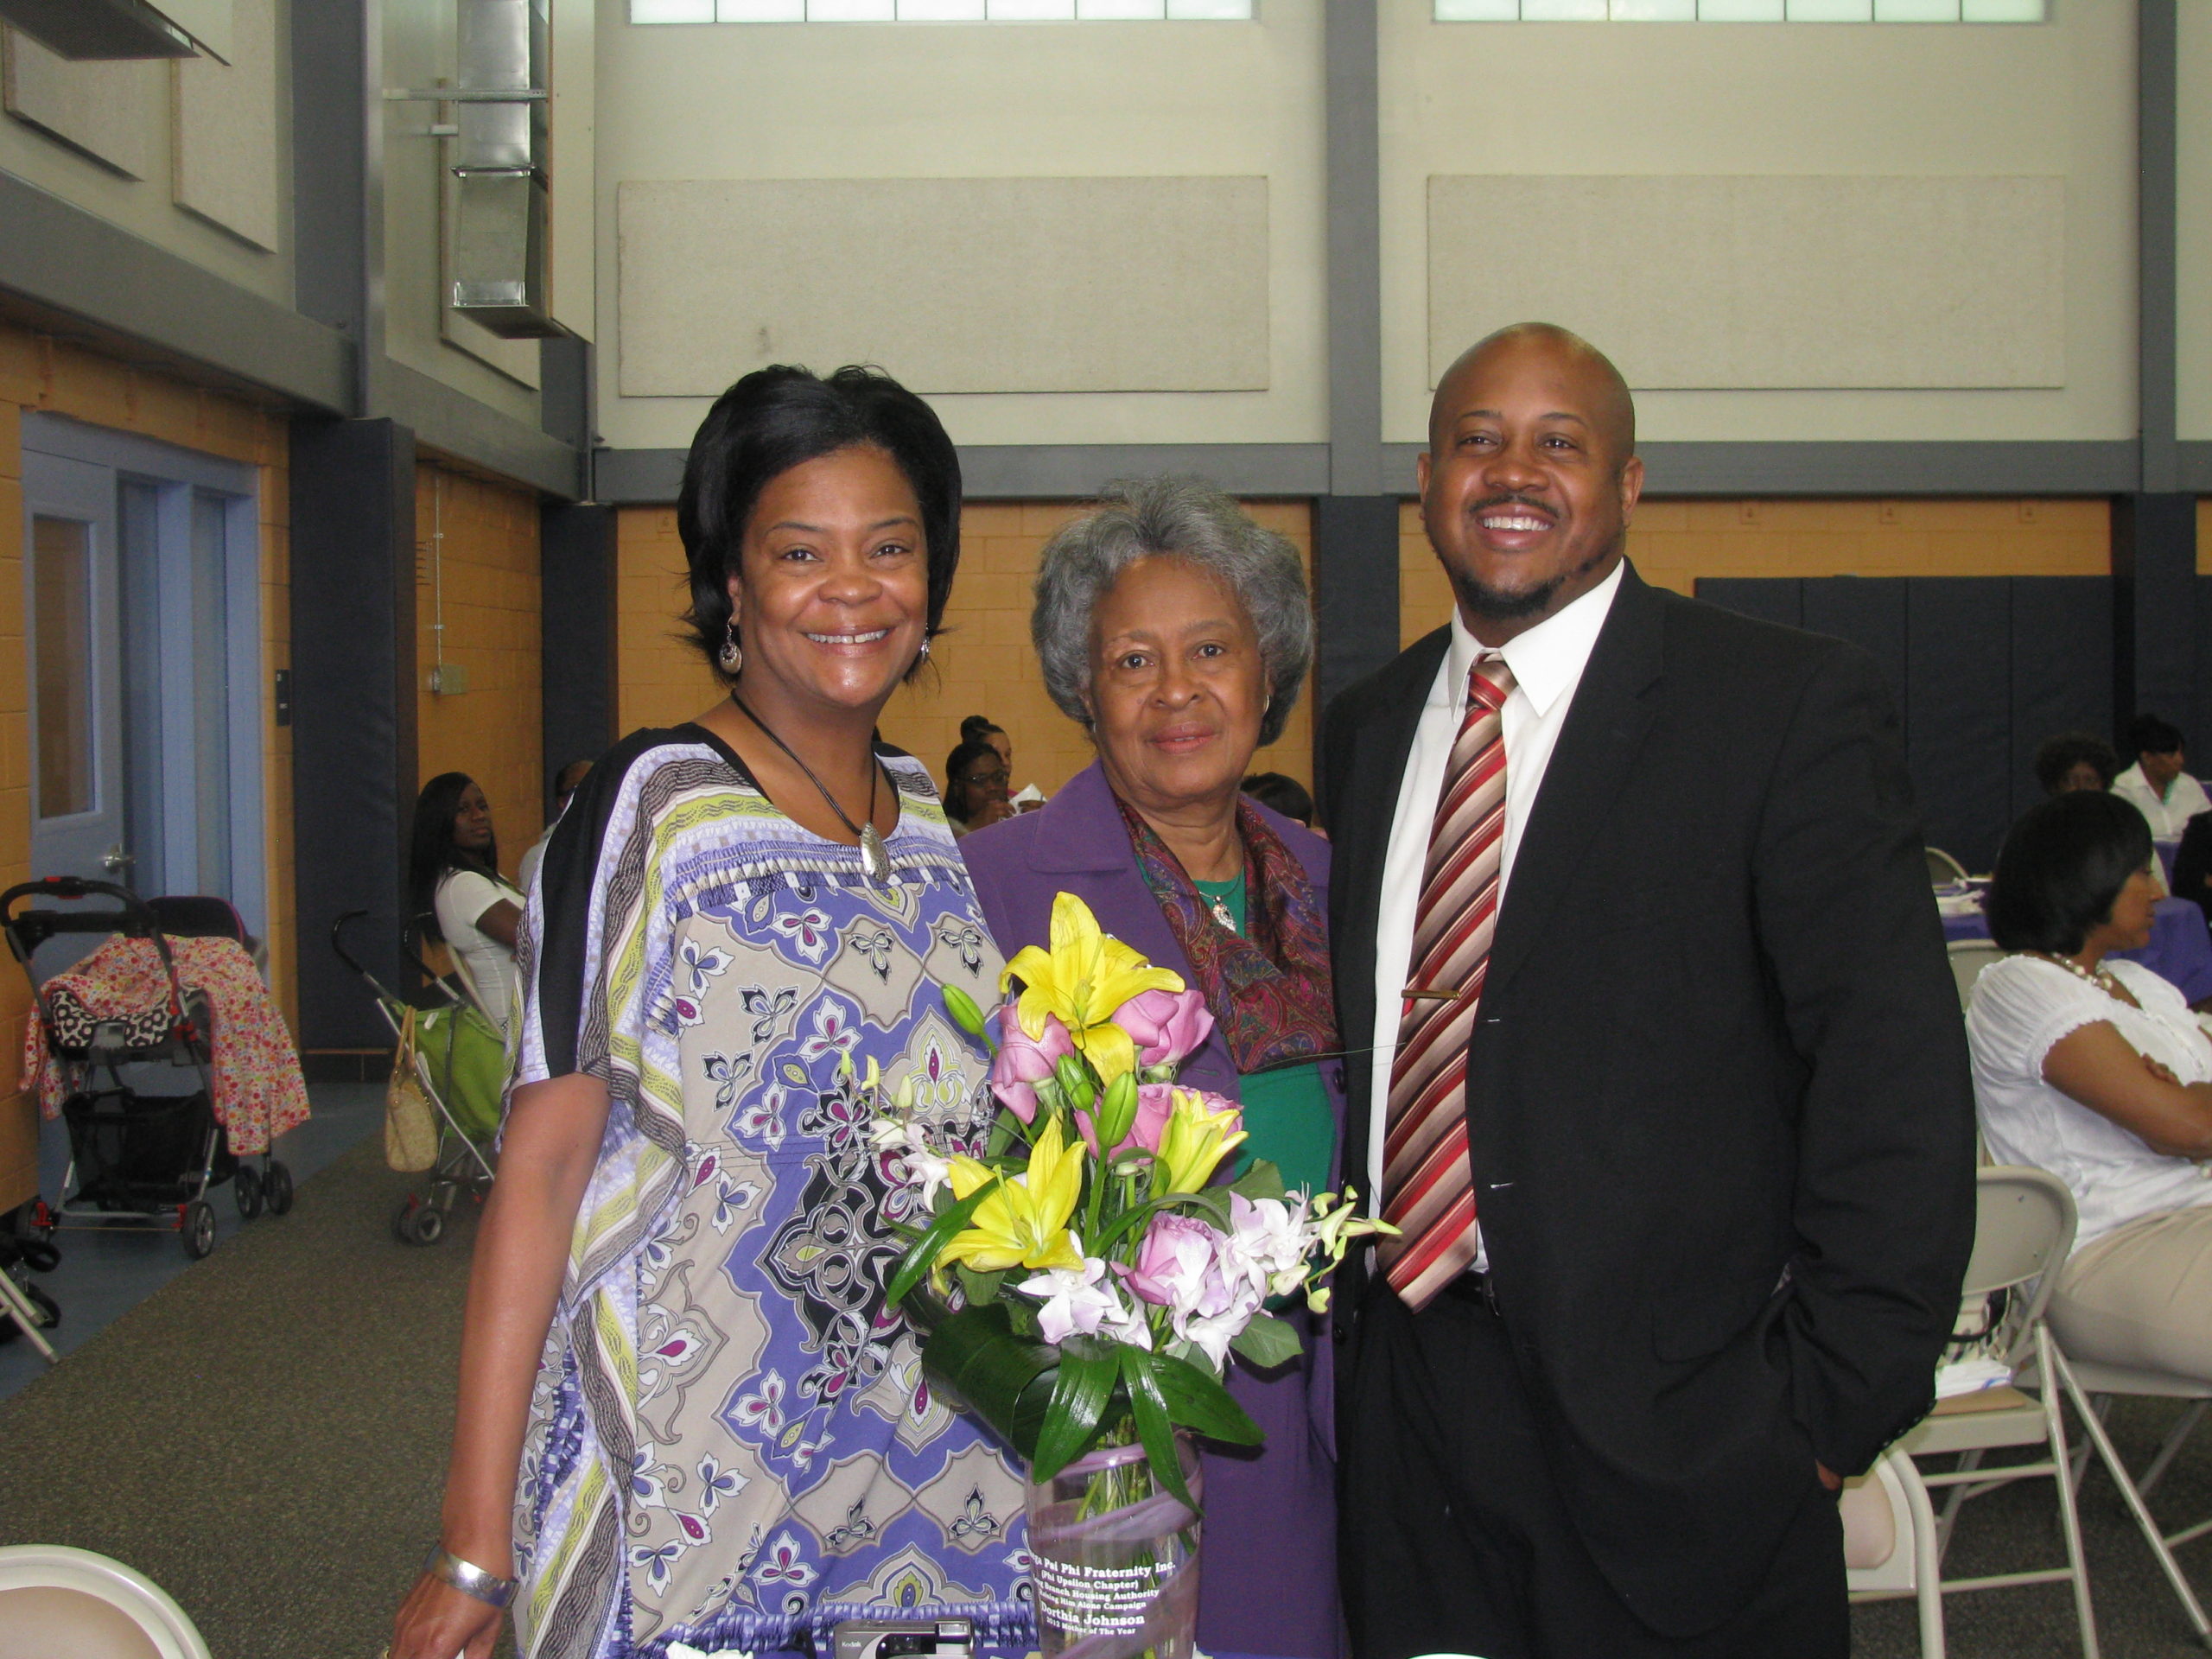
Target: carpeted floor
265, 1437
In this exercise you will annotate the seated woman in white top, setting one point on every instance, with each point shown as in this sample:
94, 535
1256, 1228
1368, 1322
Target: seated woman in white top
2156, 785
2097, 1072
453, 876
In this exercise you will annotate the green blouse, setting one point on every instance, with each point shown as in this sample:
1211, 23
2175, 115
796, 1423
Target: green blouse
1285, 1108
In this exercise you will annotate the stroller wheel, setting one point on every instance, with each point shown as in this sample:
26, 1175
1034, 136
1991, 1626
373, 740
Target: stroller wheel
198, 1231
276, 1188
427, 1225
403, 1219
247, 1189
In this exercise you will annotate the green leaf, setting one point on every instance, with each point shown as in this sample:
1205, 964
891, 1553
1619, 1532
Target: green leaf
924, 1251
980, 1288
966, 1015
1154, 1427
976, 1359
1006, 1130
1262, 1180
1079, 1395
1267, 1342
1197, 1400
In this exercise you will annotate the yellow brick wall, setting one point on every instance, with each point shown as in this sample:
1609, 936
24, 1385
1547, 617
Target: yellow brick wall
38, 372
1674, 542
484, 537
983, 664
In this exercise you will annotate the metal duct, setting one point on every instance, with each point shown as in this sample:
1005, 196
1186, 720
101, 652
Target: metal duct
501, 159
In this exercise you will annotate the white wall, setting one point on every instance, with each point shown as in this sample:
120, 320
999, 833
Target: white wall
2052, 100
137, 99
861, 101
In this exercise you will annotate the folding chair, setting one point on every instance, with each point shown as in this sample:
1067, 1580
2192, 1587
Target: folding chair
1968, 957
2023, 1226
1889, 1543
2091, 1385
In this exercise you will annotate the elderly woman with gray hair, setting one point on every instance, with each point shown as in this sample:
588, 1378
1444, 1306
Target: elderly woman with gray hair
1178, 633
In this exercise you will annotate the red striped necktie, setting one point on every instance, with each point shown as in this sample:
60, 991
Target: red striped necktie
1428, 1193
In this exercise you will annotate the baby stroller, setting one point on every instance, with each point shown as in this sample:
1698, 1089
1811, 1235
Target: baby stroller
136, 1160
460, 1062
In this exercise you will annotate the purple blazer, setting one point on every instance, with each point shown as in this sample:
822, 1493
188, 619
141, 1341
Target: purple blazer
1268, 1581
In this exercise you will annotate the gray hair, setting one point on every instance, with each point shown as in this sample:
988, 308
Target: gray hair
1182, 519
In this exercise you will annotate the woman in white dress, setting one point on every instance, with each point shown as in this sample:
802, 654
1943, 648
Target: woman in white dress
2095, 1069
453, 878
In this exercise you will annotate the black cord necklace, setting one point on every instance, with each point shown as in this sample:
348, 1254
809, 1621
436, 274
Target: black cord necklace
875, 863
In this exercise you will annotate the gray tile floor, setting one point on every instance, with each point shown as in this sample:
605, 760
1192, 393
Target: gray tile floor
105, 1272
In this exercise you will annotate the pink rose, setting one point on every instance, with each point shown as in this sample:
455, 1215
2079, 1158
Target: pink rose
1023, 1062
1165, 1026
1153, 1100
1175, 1266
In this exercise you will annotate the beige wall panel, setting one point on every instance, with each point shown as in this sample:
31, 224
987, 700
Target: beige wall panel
1007, 284
2193, 224
989, 101
98, 108
1750, 282
146, 207
223, 152
1569, 100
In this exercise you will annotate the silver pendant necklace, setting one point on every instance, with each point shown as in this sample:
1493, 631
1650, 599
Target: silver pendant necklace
1221, 913
875, 863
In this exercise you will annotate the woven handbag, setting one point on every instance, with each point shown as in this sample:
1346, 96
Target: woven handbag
410, 1132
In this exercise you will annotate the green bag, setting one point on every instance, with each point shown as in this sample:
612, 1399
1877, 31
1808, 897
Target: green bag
469, 1065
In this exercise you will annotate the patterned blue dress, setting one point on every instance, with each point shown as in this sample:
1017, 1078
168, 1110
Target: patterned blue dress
731, 1442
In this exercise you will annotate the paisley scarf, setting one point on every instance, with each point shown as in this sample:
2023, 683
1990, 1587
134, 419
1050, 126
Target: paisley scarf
1269, 993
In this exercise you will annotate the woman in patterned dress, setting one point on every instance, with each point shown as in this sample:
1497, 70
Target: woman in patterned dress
685, 1416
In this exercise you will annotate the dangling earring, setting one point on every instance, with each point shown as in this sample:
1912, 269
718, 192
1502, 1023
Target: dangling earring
924, 655
732, 655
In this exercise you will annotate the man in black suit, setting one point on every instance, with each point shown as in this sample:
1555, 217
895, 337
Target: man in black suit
1715, 1193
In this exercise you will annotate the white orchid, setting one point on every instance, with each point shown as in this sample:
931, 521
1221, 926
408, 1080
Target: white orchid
925, 1166
1083, 1299
1268, 1242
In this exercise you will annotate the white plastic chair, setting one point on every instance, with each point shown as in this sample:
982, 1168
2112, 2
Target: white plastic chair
58, 1601
1943, 870
1968, 957
1889, 1543
2023, 1226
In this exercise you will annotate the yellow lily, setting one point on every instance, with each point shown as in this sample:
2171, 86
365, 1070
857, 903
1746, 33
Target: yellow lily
1192, 1142
1084, 978
1024, 1221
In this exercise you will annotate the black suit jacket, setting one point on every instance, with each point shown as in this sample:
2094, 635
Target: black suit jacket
1719, 1118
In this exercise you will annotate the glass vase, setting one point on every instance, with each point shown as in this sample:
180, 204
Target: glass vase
1115, 1556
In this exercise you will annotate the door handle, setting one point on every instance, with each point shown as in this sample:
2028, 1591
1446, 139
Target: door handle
115, 860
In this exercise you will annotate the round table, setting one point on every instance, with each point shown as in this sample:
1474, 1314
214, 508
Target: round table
2180, 951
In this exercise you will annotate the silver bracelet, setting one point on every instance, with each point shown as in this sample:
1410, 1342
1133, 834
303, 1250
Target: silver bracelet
468, 1578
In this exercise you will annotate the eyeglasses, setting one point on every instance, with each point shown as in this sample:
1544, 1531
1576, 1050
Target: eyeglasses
1001, 777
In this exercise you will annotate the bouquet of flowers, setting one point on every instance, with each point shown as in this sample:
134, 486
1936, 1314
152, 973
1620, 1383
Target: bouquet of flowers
1081, 1278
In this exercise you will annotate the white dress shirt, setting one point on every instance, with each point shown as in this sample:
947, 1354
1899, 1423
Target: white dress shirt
2167, 815
1547, 661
